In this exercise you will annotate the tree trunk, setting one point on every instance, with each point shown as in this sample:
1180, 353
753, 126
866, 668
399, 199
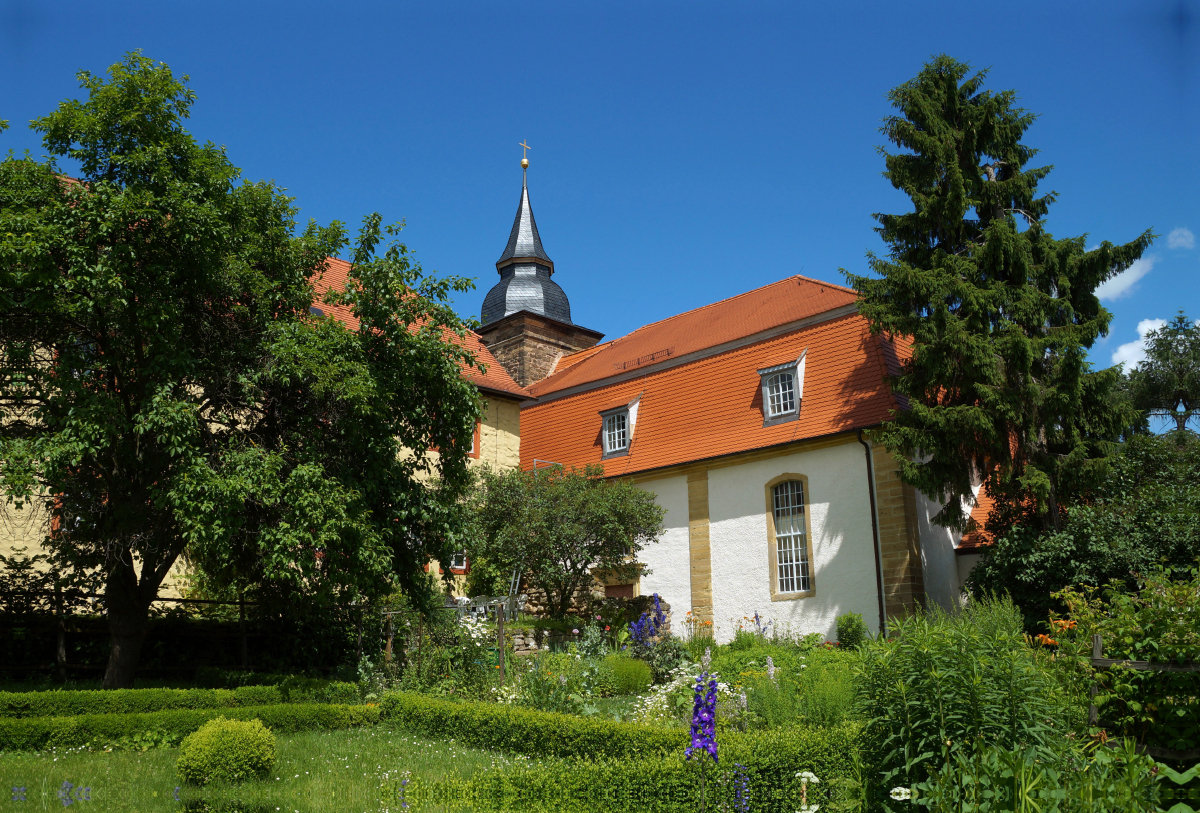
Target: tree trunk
127, 613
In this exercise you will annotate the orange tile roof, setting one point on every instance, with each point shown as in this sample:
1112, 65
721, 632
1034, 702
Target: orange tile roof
574, 358
496, 379
712, 406
771, 306
977, 539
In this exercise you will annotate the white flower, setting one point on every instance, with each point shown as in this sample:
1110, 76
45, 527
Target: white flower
901, 794
808, 809
808, 776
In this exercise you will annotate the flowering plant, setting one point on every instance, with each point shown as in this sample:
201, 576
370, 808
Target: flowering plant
704, 717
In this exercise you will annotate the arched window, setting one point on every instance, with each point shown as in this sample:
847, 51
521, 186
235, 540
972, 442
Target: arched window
791, 554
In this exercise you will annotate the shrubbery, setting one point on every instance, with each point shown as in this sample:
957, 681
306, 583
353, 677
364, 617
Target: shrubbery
948, 685
226, 750
851, 630
168, 727
630, 676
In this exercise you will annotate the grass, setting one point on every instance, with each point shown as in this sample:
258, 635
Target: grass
332, 771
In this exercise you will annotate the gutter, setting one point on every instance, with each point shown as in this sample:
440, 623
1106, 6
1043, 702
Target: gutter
875, 533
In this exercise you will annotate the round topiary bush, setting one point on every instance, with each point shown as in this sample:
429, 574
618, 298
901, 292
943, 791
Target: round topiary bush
229, 750
630, 676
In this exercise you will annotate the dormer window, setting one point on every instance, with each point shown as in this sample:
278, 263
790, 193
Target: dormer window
782, 391
616, 432
616, 428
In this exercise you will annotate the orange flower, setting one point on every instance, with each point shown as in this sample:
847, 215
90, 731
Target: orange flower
1045, 640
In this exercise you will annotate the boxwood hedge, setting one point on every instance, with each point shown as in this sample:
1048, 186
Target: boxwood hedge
32, 733
131, 701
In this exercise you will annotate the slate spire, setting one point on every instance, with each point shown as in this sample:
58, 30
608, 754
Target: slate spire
524, 243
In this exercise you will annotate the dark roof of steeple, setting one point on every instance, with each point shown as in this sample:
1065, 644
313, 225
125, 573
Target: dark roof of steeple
523, 241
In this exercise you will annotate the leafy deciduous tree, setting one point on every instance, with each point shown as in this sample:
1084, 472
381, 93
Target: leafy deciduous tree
165, 387
559, 526
999, 313
1167, 383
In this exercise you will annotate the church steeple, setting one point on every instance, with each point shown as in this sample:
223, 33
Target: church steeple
526, 318
524, 242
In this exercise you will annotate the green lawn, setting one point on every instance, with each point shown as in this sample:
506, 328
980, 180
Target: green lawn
334, 771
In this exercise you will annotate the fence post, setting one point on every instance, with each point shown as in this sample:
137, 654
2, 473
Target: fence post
60, 657
1097, 652
500, 638
242, 628
391, 636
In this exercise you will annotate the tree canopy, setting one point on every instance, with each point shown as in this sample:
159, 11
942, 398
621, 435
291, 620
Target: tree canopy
559, 526
998, 313
166, 389
1167, 383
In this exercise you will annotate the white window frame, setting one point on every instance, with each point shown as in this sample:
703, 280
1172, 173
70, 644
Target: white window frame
793, 568
768, 375
609, 430
628, 412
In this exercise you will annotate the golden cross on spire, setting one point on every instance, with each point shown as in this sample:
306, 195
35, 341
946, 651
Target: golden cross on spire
524, 147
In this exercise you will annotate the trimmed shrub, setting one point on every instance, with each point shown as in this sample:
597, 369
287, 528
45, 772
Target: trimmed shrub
121, 701
630, 676
668, 783
851, 630
35, 733
257, 695
228, 750
526, 731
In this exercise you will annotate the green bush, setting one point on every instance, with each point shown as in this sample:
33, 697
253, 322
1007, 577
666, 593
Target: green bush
122, 701
258, 696
168, 727
851, 630
668, 783
526, 731
630, 676
663, 657
226, 750
947, 684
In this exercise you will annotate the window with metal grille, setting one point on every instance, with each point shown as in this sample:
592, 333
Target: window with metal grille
781, 394
616, 432
791, 548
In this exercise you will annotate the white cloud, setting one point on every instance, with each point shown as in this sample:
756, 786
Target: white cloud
1132, 353
1181, 238
1122, 284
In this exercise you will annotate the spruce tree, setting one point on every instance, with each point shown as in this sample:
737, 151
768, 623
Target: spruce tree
991, 315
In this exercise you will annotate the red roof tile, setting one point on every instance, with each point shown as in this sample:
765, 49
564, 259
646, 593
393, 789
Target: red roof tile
712, 406
771, 306
495, 379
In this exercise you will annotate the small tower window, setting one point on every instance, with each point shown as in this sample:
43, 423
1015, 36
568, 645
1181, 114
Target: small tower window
782, 391
616, 432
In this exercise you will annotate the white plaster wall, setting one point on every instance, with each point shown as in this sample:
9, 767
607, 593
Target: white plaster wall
938, 566
843, 545
669, 558
964, 564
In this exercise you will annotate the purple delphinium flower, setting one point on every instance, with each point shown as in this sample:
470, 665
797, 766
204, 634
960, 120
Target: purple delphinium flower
647, 627
704, 718
741, 788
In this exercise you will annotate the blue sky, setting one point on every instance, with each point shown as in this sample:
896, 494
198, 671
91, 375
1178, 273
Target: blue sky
682, 152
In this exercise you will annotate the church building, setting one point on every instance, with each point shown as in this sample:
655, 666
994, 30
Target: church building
746, 419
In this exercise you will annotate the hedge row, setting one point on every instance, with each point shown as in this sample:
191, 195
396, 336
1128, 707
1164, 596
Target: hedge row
34, 733
672, 784
525, 731
133, 701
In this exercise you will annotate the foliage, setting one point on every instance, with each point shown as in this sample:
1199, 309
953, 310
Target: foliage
166, 387
1146, 511
445, 656
630, 676
1070, 781
226, 750
769, 762
34, 733
667, 655
595, 640
954, 684
559, 526
851, 630
999, 314
1161, 624
1167, 383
